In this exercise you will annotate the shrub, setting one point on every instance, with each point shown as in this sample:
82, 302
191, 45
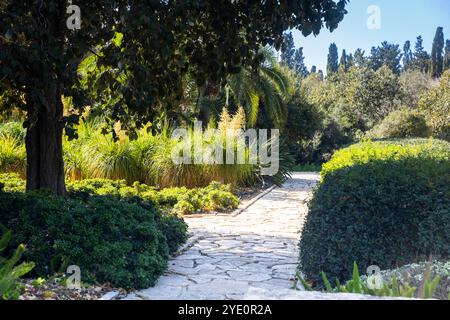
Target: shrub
11, 182
379, 203
125, 243
214, 197
435, 105
402, 123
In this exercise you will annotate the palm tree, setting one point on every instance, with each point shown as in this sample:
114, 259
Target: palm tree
262, 91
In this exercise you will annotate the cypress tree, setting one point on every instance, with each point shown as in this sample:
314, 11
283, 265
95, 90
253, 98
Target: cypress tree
313, 69
359, 58
299, 63
407, 55
332, 63
288, 51
437, 58
343, 61
421, 57
447, 55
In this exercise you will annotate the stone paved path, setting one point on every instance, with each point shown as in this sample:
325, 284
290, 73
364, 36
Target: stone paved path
257, 248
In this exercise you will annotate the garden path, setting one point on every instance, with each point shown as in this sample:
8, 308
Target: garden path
230, 255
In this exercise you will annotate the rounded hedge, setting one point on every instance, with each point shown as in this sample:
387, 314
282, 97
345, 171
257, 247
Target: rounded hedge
125, 243
379, 203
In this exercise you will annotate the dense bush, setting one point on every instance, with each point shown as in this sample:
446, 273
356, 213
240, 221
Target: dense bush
379, 203
435, 104
214, 197
402, 123
124, 242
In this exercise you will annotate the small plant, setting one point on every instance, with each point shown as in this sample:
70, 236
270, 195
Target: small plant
9, 271
391, 288
38, 282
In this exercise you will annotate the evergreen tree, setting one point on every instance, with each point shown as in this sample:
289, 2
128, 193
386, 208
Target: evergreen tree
299, 63
407, 55
447, 55
313, 69
332, 64
350, 61
288, 51
421, 57
343, 62
437, 58
359, 58
320, 74
387, 54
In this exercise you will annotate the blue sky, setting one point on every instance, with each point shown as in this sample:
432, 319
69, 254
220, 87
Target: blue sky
401, 20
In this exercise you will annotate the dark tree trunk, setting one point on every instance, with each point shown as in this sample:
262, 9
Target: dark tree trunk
45, 166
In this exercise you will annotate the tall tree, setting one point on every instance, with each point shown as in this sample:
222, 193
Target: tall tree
299, 63
332, 62
156, 44
320, 73
343, 62
421, 59
350, 60
387, 54
288, 51
407, 55
437, 57
447, 55
359, 58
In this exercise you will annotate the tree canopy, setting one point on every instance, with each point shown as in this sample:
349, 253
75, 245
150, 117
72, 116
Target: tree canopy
142, 49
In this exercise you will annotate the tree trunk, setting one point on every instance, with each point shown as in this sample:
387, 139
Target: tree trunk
45, 166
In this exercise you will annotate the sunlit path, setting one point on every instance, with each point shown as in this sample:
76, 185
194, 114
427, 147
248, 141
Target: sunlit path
257, 248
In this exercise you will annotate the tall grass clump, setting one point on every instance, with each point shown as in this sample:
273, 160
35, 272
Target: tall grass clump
12, 155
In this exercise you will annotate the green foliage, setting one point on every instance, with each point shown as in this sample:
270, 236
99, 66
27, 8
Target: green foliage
421, 60
12, 155
12, 129
413, 84
262, 94
214, 197
124, 242
435, 105
402, 123
11, 182
437, 57
390, 288
388, 55
146, 159
379, 203
332, 62
9, 270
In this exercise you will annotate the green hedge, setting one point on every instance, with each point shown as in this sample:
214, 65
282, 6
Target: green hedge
123, 242
180, 200
379, 203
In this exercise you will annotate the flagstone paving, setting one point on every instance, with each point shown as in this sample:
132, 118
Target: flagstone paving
255, 249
